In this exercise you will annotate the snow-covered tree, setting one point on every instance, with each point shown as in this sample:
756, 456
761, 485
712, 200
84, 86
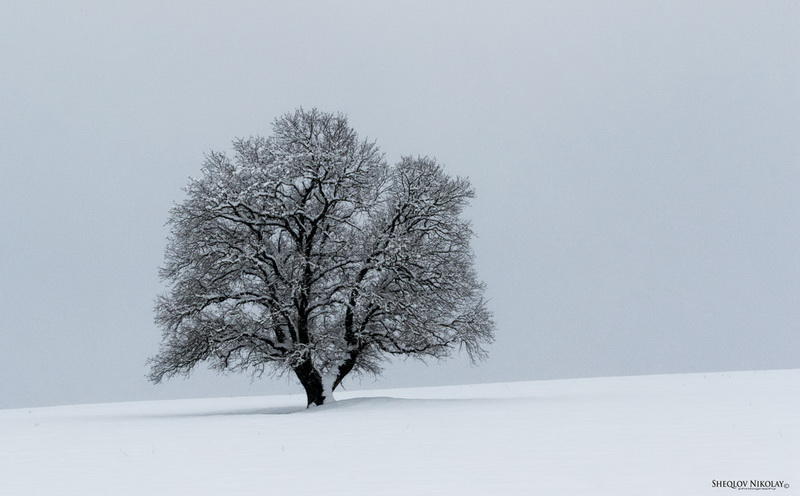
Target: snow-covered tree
306, 252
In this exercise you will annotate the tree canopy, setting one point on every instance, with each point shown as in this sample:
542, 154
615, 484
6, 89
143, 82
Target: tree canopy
306, 252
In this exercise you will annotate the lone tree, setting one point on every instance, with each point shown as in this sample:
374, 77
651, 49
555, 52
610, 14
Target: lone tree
306, 252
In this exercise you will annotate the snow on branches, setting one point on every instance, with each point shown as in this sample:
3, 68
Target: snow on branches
306, 252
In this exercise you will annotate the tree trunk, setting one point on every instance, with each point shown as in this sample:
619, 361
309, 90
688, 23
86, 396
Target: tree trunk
312, 383
346, 367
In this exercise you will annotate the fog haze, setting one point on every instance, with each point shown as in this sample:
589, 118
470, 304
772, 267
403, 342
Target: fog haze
637, 167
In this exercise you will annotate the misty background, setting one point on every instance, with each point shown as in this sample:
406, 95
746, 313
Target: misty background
637, 166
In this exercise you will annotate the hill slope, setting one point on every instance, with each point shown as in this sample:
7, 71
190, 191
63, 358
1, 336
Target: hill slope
670, 434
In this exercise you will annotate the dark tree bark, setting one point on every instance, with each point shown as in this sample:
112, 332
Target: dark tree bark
346, 367
312, 383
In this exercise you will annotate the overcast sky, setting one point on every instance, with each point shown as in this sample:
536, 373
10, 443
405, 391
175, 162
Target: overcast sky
637, 167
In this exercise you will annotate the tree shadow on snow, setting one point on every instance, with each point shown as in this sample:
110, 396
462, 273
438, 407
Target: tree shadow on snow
276, 410
370, 402
361, 403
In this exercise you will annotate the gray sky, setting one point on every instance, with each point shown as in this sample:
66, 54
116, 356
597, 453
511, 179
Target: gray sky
637, 167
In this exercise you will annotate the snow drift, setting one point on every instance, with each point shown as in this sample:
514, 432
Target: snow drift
670, 434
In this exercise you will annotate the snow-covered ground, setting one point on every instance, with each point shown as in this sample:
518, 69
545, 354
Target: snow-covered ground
646, 435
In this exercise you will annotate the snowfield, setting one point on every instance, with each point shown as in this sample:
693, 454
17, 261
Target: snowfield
644, 435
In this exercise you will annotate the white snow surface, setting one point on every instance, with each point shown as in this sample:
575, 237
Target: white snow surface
667, 434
